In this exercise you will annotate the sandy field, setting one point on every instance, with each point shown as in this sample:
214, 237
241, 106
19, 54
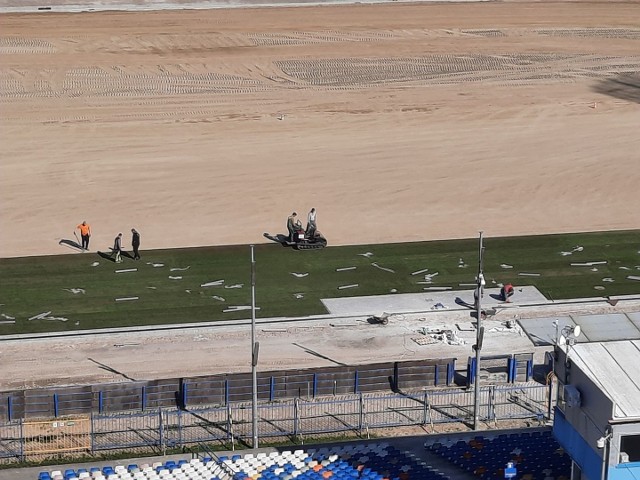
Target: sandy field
398, 122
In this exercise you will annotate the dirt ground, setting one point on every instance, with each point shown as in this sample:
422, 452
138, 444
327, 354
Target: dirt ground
398, 122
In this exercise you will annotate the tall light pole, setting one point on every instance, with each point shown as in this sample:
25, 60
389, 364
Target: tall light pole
480, 283
255, 346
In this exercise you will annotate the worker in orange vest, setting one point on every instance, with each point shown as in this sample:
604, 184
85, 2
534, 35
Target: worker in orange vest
85, 233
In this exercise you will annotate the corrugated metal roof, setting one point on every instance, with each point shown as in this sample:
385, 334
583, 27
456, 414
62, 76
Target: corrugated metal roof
615, 368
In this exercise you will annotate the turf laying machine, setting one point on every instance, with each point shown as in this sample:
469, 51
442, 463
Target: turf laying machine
299, 238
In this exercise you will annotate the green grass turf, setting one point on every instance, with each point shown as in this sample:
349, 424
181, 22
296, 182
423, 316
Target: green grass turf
32, 285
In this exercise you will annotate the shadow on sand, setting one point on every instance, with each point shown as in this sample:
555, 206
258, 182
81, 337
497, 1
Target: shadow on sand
278, 238
71, 244
625, 86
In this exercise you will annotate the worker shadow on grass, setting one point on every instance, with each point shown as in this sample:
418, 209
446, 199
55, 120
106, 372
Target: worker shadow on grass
107, 256
70, 244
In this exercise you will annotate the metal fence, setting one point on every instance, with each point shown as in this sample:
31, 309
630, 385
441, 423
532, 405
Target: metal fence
223, 389
291, 419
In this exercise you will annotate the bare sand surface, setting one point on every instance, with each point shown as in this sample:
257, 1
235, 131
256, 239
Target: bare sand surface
398, 122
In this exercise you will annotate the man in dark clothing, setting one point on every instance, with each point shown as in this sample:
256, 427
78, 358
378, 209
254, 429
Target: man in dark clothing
117, 248
135, 243
293, 225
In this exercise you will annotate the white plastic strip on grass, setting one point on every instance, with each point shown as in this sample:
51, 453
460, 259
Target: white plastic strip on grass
238, 308
420, 271
374, 264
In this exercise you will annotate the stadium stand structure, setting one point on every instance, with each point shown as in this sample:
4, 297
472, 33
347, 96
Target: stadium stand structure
536, 455
375, 461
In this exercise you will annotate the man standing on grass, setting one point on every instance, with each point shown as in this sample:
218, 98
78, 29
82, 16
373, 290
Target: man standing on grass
135, 243
85, 233
117, 248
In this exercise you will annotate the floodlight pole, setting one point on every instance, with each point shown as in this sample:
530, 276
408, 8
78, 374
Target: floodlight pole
254, 352
479, 335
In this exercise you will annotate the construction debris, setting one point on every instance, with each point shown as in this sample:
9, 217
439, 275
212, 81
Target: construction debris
525, 274
345, 269
127, 270
126, 299
176, 269
217, 283
420, 271
441, 336
589, 264
238, 308
379, 320
343, 287
75, 291
45, 316
465, 327
575, 249
428, 278
374, 264
299, 275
